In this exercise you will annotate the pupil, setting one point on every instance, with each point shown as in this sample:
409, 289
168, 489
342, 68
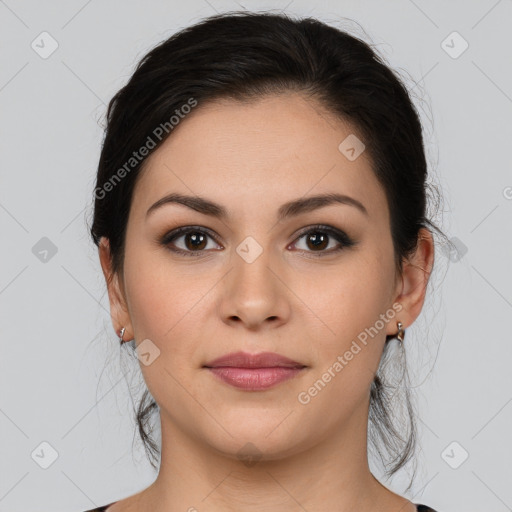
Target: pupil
195, 238
318, 240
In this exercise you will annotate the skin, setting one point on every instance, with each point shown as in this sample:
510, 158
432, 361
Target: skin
251, 158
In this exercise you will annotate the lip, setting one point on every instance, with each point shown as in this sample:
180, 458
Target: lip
261, 360
254, 372
254, 379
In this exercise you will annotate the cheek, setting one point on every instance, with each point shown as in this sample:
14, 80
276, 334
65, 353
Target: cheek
347, 352
350, 334
345, 301
172, 306
162, 298
164, 306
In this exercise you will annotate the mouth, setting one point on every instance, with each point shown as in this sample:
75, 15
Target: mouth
254, 372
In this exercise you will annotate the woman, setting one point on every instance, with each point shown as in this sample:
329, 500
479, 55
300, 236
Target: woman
260, 218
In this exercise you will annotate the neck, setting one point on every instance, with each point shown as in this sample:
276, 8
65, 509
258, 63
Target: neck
330, 474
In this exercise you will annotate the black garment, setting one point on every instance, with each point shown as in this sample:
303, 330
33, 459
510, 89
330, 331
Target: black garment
100, 509
421, 508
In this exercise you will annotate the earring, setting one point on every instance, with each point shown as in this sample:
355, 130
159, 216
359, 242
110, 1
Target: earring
401, 332
121, 334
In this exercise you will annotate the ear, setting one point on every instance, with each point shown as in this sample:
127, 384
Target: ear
412, 285
118, 308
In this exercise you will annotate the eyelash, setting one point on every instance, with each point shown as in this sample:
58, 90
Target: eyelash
340, 236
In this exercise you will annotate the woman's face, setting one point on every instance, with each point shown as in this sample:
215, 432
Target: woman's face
254, 280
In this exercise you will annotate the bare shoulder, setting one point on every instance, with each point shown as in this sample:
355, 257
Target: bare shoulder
393, 502
405, 505
130, 504
124, 505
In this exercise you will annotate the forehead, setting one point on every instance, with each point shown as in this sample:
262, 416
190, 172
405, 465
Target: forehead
264, 152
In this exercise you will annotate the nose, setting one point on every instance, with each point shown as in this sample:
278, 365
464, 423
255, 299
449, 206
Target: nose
255, 294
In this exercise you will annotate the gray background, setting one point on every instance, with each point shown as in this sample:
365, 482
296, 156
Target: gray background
61, 371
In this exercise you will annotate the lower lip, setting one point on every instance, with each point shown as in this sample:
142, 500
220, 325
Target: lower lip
254, 379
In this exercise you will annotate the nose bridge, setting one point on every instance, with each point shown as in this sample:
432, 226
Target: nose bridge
251, 274
253, 293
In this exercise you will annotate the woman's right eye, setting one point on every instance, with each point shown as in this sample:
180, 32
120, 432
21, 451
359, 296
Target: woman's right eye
195, 241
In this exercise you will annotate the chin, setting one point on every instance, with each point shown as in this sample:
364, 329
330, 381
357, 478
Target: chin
266, 438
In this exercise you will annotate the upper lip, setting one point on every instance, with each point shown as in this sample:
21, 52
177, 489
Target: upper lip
261, 360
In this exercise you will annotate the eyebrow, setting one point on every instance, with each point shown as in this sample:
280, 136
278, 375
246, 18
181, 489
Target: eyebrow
289, 209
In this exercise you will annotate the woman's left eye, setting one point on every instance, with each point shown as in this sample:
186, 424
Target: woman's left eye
317, 237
